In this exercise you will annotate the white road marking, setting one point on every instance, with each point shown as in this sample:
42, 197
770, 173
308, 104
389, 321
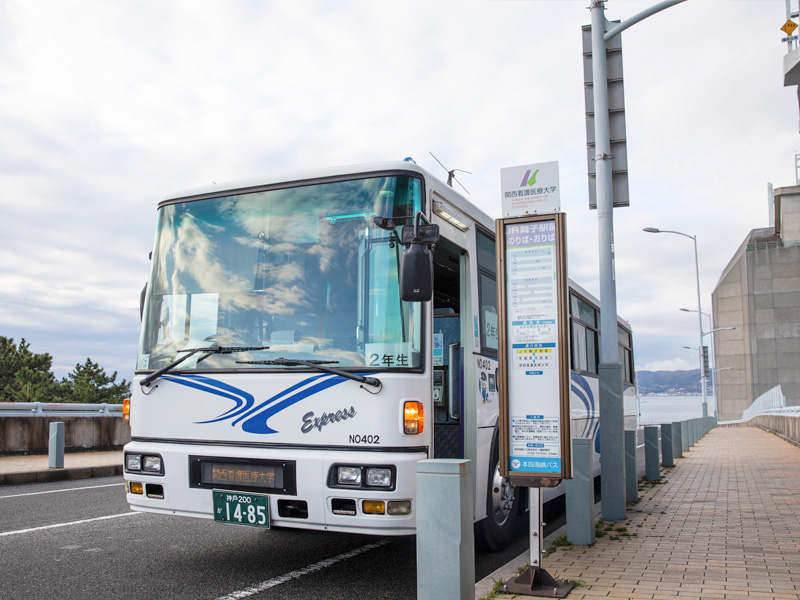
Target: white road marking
19, 531
323, 564
90, 487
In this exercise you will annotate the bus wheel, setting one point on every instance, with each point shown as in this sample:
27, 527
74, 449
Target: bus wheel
502, 499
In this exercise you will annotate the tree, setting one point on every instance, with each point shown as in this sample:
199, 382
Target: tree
23, 374
33, 386
88, 383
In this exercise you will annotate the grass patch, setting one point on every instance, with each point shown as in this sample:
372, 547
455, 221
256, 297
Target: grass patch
559, 542
495, 589
598, 528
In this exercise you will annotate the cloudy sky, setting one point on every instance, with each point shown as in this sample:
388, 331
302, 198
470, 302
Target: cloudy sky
105, 107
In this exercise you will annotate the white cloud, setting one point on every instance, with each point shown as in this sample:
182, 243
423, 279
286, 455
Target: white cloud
107, 107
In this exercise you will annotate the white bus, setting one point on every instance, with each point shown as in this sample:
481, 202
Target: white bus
281, 379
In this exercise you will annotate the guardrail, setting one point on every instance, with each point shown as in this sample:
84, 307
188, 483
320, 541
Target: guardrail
768, 401
21, 434
54, 409
769, 411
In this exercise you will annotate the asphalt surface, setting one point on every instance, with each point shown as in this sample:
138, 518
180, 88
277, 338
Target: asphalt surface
78, 539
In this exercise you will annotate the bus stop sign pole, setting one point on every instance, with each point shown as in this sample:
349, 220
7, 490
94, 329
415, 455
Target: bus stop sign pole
535, 449
535, 580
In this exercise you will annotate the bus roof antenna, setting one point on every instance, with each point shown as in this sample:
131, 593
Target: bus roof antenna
451, 173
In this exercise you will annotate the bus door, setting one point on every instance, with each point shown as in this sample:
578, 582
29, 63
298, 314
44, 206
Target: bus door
448, 352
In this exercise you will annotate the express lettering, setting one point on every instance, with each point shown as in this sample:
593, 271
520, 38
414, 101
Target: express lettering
311, 422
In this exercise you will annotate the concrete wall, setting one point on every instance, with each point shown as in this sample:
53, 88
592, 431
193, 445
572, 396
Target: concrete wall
31, 434
731, 348
787, 207
775, 311
759, 294
786, 426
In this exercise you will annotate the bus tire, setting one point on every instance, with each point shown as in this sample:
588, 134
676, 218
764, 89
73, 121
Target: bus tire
502, 504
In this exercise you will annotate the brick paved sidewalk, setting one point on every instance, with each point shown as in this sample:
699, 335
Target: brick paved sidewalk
725, 524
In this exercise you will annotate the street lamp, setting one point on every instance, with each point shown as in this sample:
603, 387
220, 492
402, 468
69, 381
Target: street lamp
699, 310
713, 371
714, 383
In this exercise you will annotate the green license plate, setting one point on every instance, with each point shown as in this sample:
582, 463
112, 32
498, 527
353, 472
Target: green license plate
241, 509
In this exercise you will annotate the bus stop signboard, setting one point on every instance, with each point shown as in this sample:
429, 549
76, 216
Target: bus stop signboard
534, 350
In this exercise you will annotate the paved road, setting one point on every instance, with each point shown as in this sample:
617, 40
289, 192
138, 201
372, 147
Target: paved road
78, 539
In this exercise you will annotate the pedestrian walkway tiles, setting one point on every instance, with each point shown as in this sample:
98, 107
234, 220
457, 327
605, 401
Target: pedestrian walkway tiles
724, 523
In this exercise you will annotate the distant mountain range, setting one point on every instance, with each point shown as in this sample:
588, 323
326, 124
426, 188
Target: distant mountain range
672, 383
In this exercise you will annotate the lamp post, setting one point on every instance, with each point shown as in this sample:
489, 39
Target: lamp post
713, 371
699, 311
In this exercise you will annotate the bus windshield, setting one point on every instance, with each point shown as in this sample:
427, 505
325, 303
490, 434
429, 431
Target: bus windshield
301, 270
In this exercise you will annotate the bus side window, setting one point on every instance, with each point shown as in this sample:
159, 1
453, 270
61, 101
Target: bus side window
487, 292
583, 322
625, 355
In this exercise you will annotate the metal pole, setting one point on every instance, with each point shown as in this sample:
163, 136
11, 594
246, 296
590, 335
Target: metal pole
612, 422
700, 324
699, 308
536, 518
712, 359
648, 12
612, 425
608, 293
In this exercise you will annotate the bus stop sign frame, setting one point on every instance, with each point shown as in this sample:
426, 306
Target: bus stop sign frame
536, 449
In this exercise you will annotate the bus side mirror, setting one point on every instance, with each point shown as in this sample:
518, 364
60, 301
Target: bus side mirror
416, 262
416, 273
142, 296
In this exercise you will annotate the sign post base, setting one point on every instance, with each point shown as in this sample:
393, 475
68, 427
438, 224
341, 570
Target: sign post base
535, 581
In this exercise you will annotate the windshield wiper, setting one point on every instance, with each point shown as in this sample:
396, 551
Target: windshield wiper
315, 364
213, 349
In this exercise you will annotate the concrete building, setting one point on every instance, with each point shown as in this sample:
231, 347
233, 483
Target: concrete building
759, 294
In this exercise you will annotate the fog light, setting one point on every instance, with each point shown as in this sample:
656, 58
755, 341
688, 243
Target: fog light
133, 462
151, 464
379, 477
135, 488
399, 507
349, 476
373, 507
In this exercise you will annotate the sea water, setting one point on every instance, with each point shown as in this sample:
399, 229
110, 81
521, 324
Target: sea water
654, 410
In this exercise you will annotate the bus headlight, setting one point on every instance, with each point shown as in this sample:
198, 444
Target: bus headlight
133, 462
151, 464
349, 476
365, 477
379, 477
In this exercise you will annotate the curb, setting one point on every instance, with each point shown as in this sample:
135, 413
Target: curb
60, 474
